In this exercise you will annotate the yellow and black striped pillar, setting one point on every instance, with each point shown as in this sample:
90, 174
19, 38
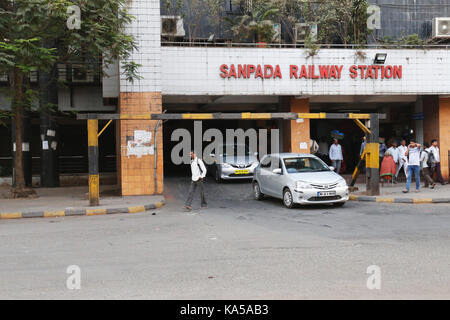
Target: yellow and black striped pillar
373, 158
94, 179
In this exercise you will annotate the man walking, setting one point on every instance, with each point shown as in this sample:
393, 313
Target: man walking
198, 170
402, 161
336, 156
437, 161
413, 154
424, 155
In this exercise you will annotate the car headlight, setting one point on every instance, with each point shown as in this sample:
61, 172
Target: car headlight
342, 183
302, 185
226, 165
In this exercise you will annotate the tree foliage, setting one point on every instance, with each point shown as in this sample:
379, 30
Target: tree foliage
28, 26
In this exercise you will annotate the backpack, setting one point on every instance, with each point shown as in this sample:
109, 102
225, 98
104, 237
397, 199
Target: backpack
431, 162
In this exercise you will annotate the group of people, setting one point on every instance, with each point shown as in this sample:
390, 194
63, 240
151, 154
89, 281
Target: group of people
414, 159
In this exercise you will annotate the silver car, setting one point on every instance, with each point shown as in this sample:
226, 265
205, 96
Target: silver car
234, 162
298, 179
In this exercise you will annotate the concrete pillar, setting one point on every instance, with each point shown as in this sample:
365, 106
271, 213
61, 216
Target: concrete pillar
444, 135
300, 129
136, 138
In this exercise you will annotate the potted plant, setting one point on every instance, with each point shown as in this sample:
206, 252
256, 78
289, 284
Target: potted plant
257, 22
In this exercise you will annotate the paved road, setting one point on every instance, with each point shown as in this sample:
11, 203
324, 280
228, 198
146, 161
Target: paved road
237, 248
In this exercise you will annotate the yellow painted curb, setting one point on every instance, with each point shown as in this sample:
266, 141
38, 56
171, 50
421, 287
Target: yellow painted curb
422, 200
389, 200
52, 214
11, 215
95, 212
136, 209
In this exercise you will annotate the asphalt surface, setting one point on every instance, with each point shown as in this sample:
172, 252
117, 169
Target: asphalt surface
237, 248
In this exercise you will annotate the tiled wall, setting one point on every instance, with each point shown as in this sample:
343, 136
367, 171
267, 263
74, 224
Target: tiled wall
444, 135
143, 96
300, 131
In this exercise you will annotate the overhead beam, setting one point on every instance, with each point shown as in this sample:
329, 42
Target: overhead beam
225, 116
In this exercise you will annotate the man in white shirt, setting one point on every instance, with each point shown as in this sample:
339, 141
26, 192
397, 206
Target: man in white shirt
402, 161
413, 155
437, 161
336, 156
198, 170
394, 151
395, 154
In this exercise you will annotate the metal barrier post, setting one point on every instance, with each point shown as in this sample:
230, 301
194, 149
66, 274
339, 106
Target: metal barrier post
373, 158
94, 179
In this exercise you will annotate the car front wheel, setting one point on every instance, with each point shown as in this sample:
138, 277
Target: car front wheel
288, 200
257, 191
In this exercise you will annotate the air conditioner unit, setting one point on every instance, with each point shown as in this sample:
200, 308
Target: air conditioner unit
82, 73
34, 76
172, 26
62, 72
302, 30
441, 28
3, 77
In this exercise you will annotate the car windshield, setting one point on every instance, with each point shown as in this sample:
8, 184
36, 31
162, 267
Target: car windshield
234, 150
306, 164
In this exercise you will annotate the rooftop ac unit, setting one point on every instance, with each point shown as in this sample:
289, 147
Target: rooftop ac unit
302, 30
441, 28
172, 26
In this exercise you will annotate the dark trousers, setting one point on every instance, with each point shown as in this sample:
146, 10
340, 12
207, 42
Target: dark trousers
192, 189
437, 170
426, 174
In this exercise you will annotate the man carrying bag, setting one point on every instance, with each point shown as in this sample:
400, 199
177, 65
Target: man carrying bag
198, 171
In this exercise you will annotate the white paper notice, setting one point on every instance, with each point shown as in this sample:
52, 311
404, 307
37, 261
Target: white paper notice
303, 145
44, 145
142, 136
51, 133
25, 146
53, 145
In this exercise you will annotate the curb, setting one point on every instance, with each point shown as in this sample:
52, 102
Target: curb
399, 200
79, 212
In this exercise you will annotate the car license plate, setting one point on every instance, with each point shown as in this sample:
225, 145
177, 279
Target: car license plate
242, 172
326, 193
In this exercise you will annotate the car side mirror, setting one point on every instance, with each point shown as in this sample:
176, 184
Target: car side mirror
331, 168
277, 171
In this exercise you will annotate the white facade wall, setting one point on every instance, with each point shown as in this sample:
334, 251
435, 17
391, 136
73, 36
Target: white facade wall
146, 28
196, 71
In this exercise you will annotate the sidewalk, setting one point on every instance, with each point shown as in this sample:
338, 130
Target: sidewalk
393, 193
73, 201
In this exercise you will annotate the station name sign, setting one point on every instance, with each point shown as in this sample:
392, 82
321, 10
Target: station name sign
267, 71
